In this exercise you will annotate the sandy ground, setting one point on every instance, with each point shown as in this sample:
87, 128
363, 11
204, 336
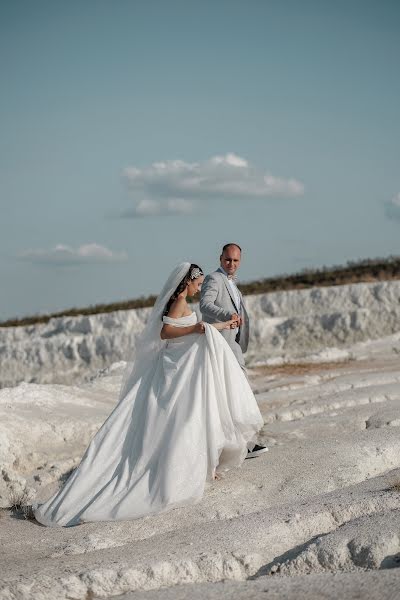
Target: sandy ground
318, 516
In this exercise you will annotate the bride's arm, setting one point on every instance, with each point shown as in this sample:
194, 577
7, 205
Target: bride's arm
231, 324
170, 331
176, 311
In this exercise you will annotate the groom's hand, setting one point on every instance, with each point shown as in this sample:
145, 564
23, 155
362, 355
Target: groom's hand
237, 318
235, 321
231, 324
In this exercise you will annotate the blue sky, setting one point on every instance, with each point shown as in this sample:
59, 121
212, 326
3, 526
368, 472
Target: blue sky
138, 134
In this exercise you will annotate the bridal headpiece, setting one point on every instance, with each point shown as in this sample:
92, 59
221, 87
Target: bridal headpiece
196, 273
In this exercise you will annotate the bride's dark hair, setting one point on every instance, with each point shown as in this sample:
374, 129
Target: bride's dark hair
183, 284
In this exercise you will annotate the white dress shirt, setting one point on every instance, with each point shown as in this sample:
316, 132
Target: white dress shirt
235, 290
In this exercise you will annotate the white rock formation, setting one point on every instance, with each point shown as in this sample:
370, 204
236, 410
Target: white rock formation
316, 516
67, 349
285, 326
367, 585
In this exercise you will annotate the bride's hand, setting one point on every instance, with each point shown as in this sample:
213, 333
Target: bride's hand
199, 327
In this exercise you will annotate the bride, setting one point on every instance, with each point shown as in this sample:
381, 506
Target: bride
185, 408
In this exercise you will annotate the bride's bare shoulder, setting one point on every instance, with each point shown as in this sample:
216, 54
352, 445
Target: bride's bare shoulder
178, 308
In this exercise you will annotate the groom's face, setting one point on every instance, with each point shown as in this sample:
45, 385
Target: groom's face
230, 260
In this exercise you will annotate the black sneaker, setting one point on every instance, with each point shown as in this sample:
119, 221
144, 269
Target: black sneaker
257, 450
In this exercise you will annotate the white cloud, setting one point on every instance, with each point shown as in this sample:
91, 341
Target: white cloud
174, 186
392, 208
65, 255
230, 159
151, 208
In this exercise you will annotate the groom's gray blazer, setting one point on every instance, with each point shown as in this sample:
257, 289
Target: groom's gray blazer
217, 304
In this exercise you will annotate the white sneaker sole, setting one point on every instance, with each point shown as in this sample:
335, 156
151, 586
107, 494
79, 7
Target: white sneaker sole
256, 453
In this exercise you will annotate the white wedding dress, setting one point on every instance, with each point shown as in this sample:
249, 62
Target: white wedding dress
191, 412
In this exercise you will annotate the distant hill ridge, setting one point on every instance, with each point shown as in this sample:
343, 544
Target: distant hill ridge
362, 271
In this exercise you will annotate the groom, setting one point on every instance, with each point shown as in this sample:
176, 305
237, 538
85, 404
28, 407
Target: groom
221, 300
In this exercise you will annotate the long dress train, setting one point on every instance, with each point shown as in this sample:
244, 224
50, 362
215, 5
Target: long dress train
191, 413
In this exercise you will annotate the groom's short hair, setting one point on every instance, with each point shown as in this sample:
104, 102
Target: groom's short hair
229, 245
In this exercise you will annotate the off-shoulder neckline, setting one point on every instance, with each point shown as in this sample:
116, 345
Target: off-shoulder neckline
177, 318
